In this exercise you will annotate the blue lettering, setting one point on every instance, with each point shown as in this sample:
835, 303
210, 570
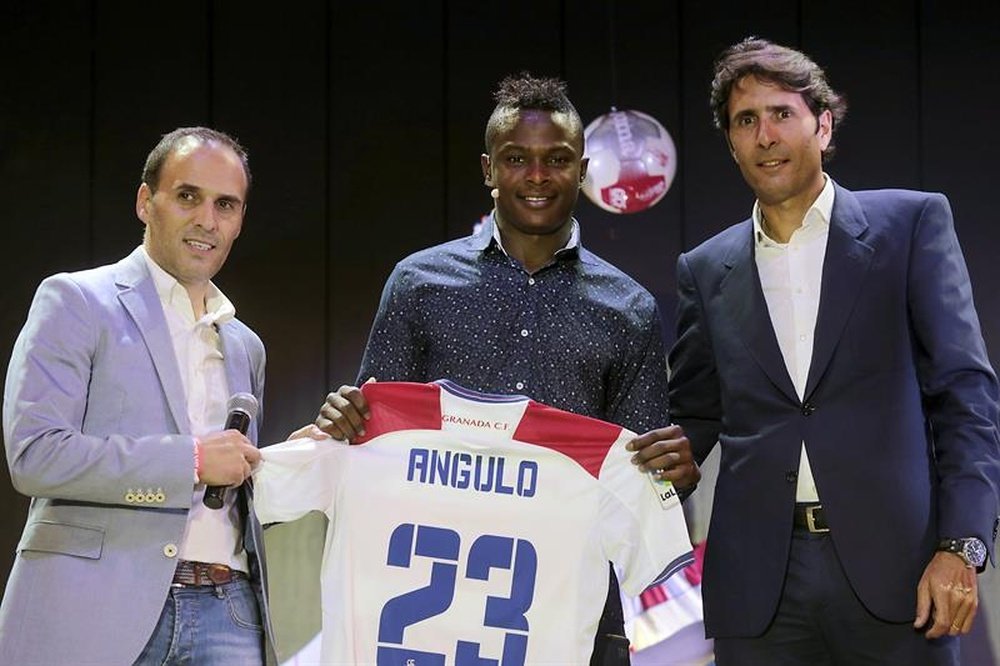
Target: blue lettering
418, 463
471, 471
525, 485
439, 467
460, 471
484, 485
501, 488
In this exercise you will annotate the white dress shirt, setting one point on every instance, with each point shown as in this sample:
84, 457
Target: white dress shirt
212, 535
790, 276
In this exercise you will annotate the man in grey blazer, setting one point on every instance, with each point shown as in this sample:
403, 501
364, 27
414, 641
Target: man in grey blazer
113, 415
830, 345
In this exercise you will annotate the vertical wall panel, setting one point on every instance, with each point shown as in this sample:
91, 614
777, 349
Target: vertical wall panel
715, 195
45, 153
386, 155
959, 61
268, 88
878, 71
485, 42
145, 84
627, 55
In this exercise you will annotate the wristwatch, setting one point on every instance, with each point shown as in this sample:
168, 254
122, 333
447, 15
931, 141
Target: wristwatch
971, 550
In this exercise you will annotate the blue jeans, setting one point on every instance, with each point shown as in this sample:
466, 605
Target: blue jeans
214, 625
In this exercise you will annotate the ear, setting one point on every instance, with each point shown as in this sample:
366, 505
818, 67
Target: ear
484, 162
143, 200
824, 129
583, 169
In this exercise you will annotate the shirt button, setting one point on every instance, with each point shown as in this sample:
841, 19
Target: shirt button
531, 280
524, 332
170, 550
802, 337
519, 385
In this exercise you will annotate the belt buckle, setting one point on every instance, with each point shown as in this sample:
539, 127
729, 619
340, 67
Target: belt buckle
219, 573
811, 520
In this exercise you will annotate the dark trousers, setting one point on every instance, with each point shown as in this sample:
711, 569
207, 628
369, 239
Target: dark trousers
610, 650
610, 644
821, 622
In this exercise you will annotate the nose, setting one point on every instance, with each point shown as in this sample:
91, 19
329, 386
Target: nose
538, 172
205, 216
766, 135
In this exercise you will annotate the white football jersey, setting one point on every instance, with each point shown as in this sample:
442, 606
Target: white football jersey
472, 529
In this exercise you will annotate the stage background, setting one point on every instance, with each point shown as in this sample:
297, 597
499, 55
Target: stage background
364, 123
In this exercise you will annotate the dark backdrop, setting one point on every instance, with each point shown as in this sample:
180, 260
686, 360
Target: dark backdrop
364, 123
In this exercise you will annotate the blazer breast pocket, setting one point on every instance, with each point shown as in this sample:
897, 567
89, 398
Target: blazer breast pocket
46, 536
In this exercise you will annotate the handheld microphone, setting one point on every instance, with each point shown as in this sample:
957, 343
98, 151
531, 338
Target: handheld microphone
242, 410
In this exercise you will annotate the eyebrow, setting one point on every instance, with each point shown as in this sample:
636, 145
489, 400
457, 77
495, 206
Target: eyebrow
773, 108
222, 197
567, 146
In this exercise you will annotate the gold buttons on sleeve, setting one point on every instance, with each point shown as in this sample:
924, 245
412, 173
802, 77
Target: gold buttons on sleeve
145, 496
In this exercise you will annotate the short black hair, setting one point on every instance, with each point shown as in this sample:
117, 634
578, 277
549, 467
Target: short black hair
169, 142
525, 91
785, 67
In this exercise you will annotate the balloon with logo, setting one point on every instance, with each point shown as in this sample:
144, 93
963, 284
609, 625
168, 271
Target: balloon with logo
632, 161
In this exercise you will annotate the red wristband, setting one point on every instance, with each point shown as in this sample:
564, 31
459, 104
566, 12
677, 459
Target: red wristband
197, 460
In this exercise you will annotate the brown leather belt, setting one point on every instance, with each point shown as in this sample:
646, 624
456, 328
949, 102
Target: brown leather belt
204, 573
810, 517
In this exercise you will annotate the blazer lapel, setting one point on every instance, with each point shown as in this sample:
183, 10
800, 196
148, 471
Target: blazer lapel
138, 296
845, 270
236, 358
743, 298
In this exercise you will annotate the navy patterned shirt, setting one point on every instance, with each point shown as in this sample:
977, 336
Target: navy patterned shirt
577, 334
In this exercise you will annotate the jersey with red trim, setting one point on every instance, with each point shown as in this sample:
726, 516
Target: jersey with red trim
472, 529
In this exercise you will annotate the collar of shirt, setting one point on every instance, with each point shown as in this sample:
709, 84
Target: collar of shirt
490, 232
218, 308
817, 218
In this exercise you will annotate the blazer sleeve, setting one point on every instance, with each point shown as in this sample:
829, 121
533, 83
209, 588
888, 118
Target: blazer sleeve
958, 384
46, 394
695, 399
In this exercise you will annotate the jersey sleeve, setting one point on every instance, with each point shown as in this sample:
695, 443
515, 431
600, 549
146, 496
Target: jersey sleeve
643, 525
296, 477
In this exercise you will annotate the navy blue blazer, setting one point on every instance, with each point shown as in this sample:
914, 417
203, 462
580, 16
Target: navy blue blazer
899, 414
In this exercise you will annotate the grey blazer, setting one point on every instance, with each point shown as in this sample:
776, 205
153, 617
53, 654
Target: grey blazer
94, 417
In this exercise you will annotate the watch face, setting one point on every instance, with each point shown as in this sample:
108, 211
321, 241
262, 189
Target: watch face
974, 552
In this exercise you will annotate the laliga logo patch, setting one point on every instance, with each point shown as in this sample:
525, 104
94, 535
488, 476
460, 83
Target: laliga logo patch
664, 490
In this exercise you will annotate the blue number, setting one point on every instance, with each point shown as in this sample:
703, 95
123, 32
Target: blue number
488, 552
434, 599
494, 552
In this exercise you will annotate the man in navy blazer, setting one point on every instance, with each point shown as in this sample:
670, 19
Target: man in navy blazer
113, 415
830, 345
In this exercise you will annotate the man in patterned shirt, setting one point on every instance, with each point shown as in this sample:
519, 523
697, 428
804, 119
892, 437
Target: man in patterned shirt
522, 307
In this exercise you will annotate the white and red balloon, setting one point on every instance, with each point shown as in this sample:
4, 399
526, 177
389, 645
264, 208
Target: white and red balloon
632, 161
